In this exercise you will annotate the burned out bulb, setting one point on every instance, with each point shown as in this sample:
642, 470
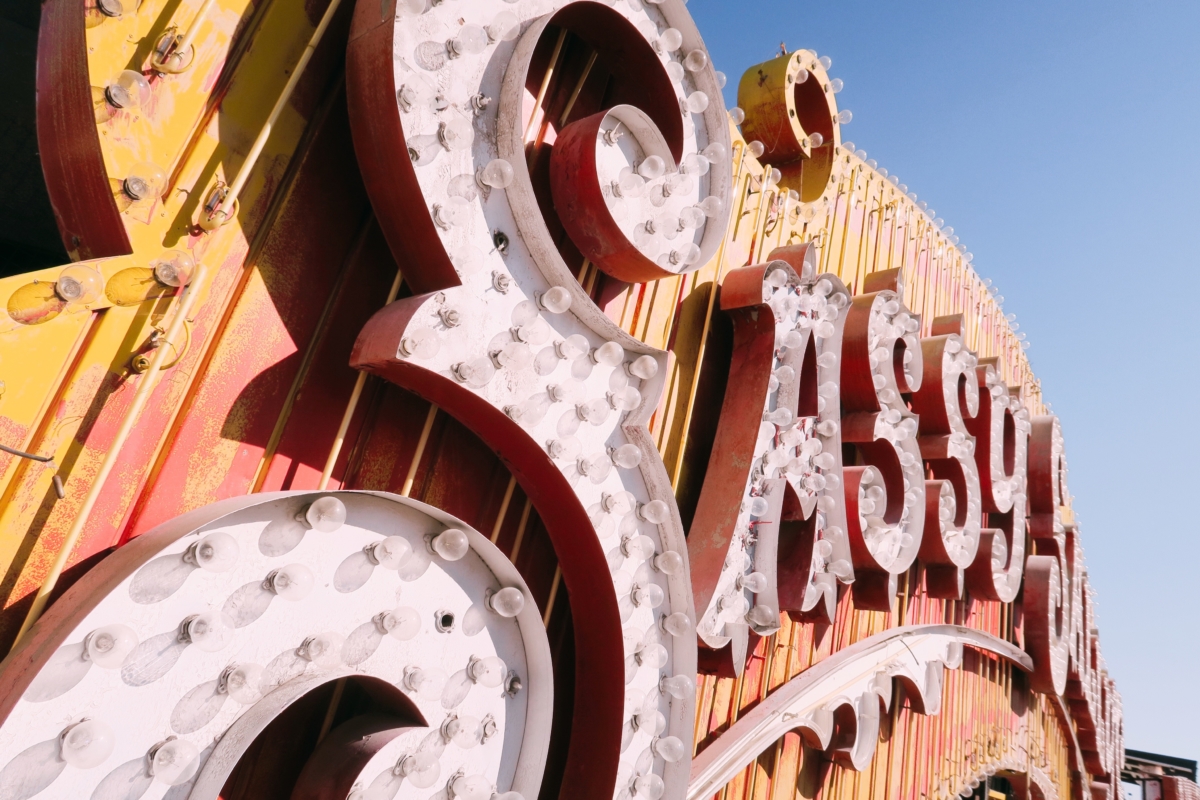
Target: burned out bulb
695, 61
173, 268
292, 583
324, 650
128, 90
87, 743
108, 646
216, 552
451, 544
242, 683
507, 602
627, 456
498, 174
79, 284
145, 181
175, 761
555, 300
325, 514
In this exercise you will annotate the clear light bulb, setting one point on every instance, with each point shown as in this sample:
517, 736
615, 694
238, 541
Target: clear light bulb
756, 148
421, 343
816, 140
391, 552
420, 769
677, 624
697, 102
471, 787
489, 672
652, 656
573, 346
401, 623
650, 595
216, 552
668, 748
471, 40
555, 300
696, 61
128, 90
691, 217
498, 174
243, 683
652, 168
668, 563
737, 116
655, 512
292, 583
504, 28
836, 85
324, 650
825, 61
145, 181
762, 616
455, 212
670, 40
207, 631
627, 399
716, 153
678, 686
451, 544
477, 372
507, 602
79, 284
87, 743
722, 79
325, 514
173, 268
461, 730
175, 762
627, 456
649, 787
754, 582
845, 116
109, 645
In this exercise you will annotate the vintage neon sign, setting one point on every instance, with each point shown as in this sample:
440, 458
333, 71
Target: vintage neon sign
848, 449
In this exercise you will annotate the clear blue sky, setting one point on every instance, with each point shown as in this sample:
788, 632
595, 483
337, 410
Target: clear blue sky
1060, 141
